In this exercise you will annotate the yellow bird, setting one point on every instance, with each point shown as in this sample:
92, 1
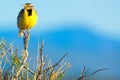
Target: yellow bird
27, 18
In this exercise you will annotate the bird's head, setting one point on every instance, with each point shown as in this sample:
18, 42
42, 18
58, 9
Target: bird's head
28, 6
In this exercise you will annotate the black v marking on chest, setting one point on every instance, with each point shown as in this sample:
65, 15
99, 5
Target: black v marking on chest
29, 12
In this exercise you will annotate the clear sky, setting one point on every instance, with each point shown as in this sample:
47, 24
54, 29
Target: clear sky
103, 15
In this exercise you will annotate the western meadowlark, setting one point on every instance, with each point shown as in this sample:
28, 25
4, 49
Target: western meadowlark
27, 18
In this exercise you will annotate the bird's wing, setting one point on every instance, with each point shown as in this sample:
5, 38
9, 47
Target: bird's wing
19, 16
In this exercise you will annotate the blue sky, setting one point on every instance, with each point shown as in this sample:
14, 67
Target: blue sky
103, 15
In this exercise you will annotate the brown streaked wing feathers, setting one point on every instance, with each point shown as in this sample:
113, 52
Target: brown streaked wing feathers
19, 16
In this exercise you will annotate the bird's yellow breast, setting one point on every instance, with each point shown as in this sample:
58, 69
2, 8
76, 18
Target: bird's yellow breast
27, 19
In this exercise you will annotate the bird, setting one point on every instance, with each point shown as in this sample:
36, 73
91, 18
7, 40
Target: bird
27, 18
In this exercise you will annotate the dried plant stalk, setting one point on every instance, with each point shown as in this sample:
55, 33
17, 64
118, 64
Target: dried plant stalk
26, 41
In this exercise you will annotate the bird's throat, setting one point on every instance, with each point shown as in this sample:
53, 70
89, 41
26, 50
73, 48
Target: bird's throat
29, 12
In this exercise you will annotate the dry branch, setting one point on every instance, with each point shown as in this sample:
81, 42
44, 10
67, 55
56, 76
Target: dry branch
56, 63
83, 75
18, 66
25, 41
